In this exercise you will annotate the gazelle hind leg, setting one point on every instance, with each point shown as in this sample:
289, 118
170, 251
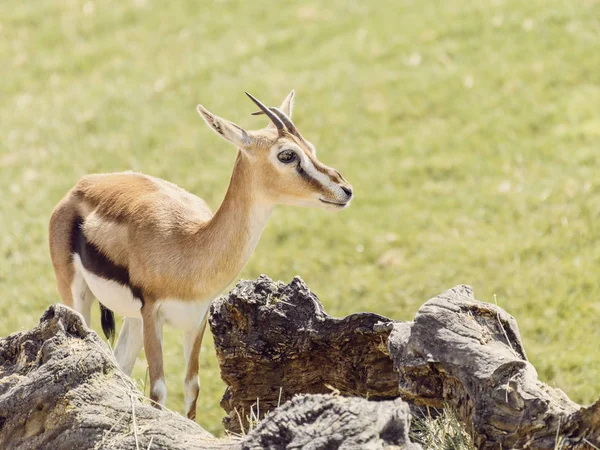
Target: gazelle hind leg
152, 329
82, 297
192, 345
129, 344
64, 276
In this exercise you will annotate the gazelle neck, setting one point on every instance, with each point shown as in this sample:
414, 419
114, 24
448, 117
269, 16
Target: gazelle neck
233, 232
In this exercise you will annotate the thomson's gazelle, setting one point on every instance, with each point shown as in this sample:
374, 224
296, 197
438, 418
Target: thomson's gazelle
154, 253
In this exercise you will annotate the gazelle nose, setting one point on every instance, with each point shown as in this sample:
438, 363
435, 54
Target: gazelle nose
347, 191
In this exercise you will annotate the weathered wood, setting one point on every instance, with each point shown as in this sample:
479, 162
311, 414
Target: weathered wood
469, 354
60, 389
313, 422
275, 340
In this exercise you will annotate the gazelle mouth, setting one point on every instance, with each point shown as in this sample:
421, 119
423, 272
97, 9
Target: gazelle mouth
333, 203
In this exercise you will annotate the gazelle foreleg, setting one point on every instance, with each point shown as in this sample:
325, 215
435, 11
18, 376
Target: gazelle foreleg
192, 345
152, 329
129, 344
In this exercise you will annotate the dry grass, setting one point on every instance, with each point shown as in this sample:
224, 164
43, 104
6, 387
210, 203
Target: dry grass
441, 431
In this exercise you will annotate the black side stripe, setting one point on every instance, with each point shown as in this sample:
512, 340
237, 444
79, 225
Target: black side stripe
97, 263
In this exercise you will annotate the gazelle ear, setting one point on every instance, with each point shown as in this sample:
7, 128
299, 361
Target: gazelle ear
288, 104
225, 128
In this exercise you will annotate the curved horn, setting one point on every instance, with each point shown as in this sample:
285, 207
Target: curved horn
276, 121
283, 117
286, 120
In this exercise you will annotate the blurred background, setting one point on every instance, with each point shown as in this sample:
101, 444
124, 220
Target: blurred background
470, 131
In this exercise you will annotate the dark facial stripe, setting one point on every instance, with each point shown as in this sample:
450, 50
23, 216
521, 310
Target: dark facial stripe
314, 183
97, 263
323, 170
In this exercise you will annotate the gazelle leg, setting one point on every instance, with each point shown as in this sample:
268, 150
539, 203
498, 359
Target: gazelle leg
129, 344
153, 347
192, 344
82, 297
64, 280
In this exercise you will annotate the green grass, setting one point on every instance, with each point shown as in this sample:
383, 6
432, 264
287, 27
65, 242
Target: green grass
469, 130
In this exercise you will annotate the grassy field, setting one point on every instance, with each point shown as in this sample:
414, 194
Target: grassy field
470, 131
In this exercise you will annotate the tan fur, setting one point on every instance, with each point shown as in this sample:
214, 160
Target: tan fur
193, 366
168, 239
60, 247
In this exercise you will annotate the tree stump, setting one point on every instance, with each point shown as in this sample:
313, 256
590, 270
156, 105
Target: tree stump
275, 340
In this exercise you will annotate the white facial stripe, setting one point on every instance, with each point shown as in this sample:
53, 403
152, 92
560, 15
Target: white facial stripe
312, 172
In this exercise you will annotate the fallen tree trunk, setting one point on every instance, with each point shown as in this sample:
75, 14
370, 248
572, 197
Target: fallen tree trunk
275, 340
60, 388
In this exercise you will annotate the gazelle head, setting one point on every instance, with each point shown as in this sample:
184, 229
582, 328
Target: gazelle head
285, 168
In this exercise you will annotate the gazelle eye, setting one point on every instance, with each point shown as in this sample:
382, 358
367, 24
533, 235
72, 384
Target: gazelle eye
286, 156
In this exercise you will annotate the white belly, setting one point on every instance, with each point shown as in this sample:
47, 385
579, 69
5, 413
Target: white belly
184, 315
115, 296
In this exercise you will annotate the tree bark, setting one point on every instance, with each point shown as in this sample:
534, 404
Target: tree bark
312, 422
60, 389
469, 354
275, 340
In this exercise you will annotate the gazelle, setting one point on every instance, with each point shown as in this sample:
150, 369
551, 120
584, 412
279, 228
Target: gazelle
154, 253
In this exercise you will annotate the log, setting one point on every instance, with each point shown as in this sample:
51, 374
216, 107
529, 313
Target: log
275, 340
60, 388
312, 422
469, 354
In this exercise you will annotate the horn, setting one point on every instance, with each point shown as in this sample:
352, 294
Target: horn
276, 121
286, 120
